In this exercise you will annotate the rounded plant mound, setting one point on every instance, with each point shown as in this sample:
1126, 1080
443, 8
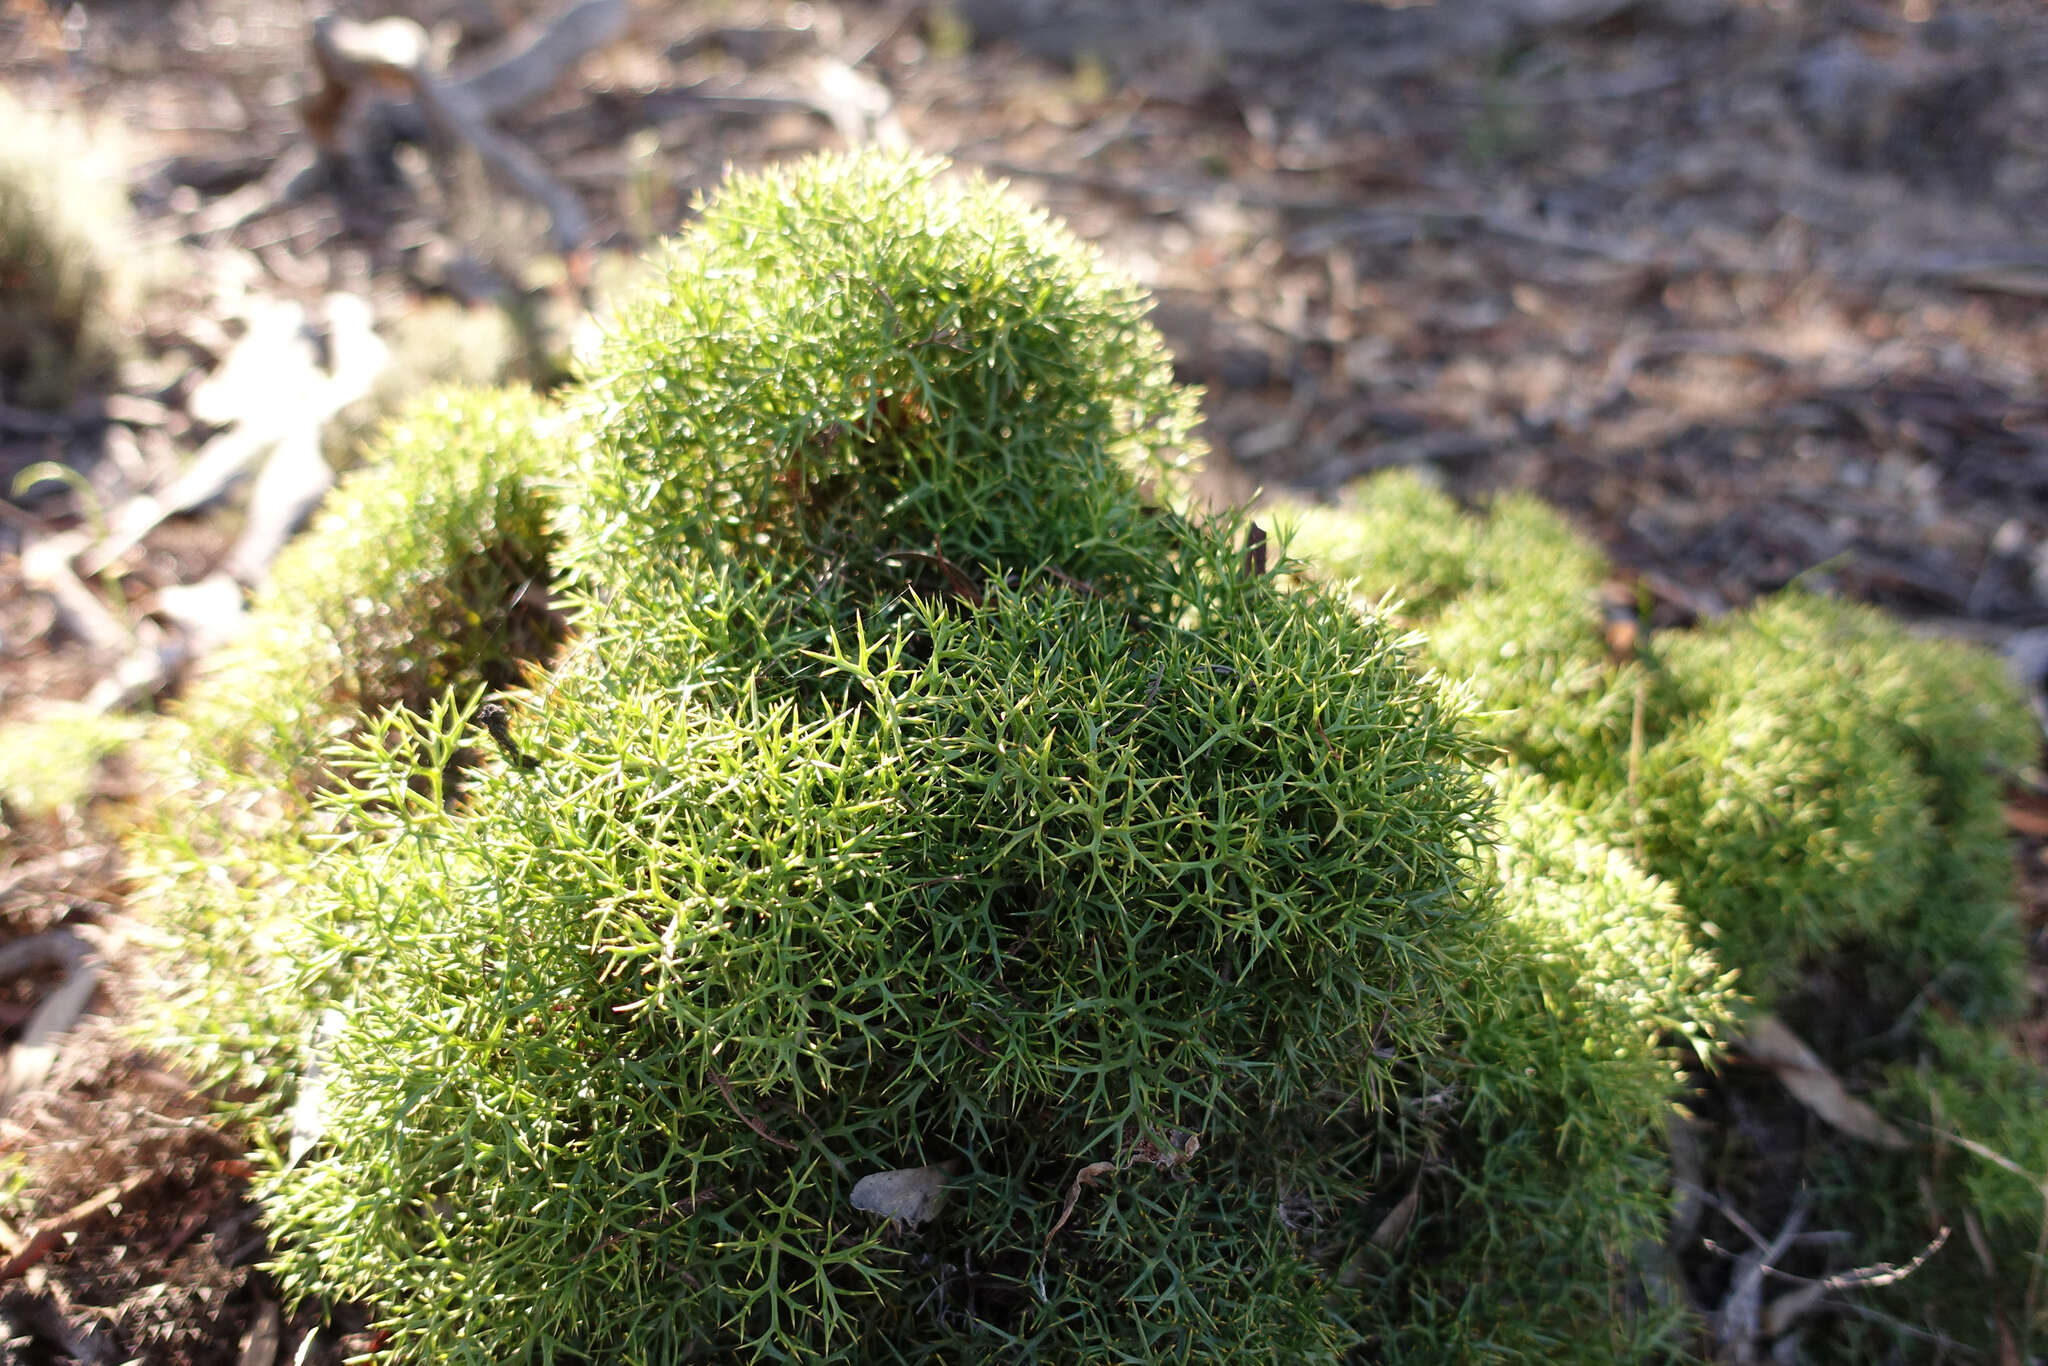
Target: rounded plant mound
1073, 905
943, 908
1819, 793
858, 356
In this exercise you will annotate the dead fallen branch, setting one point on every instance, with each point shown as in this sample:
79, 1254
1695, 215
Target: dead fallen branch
35, 1052
1739, 1324
46, 567
528, 65
362, 62
50, 1232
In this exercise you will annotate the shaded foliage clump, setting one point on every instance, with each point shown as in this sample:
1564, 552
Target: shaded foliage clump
1820, 792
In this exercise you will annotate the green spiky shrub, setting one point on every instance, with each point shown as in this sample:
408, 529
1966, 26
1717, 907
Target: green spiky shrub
66, 283
426, 574
1859, 775
1510, 605
919, 793
1831, 784
1548, 1191
916, 794
1815, 781
1821, 792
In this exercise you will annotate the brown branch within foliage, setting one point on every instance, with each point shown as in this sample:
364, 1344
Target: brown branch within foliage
724, 1086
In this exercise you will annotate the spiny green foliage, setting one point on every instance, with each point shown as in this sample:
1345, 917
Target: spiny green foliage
1822, 792
427, 572
917, 794
428, 569
1550, 1187
66, 284
1812, 779
1827, 783
1510, 605
1018, 911
1063, 841
850, 358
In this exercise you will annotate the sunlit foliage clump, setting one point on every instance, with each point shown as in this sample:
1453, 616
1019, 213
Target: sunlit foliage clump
1827, 784
426, 574
1818, 793
918, 796
1813, 780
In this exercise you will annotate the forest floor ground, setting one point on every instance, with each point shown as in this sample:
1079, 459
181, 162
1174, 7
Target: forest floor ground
1754, 291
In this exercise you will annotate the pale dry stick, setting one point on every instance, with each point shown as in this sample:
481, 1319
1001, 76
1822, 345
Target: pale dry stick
529, 64
2004, 1163
1741, 1317
291, 179
50, 865
265, 1337
46, 566
525, 66
1876, 1274
1781, 1313
35, 1052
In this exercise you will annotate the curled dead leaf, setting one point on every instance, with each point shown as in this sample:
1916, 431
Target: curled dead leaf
1179, 1147
1087, 1177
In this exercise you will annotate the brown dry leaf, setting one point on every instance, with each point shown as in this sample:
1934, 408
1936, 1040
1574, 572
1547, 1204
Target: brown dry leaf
1181, 1145
1086, 1178
1394, 1227
2026, 818
908, 1195
1768, 1041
